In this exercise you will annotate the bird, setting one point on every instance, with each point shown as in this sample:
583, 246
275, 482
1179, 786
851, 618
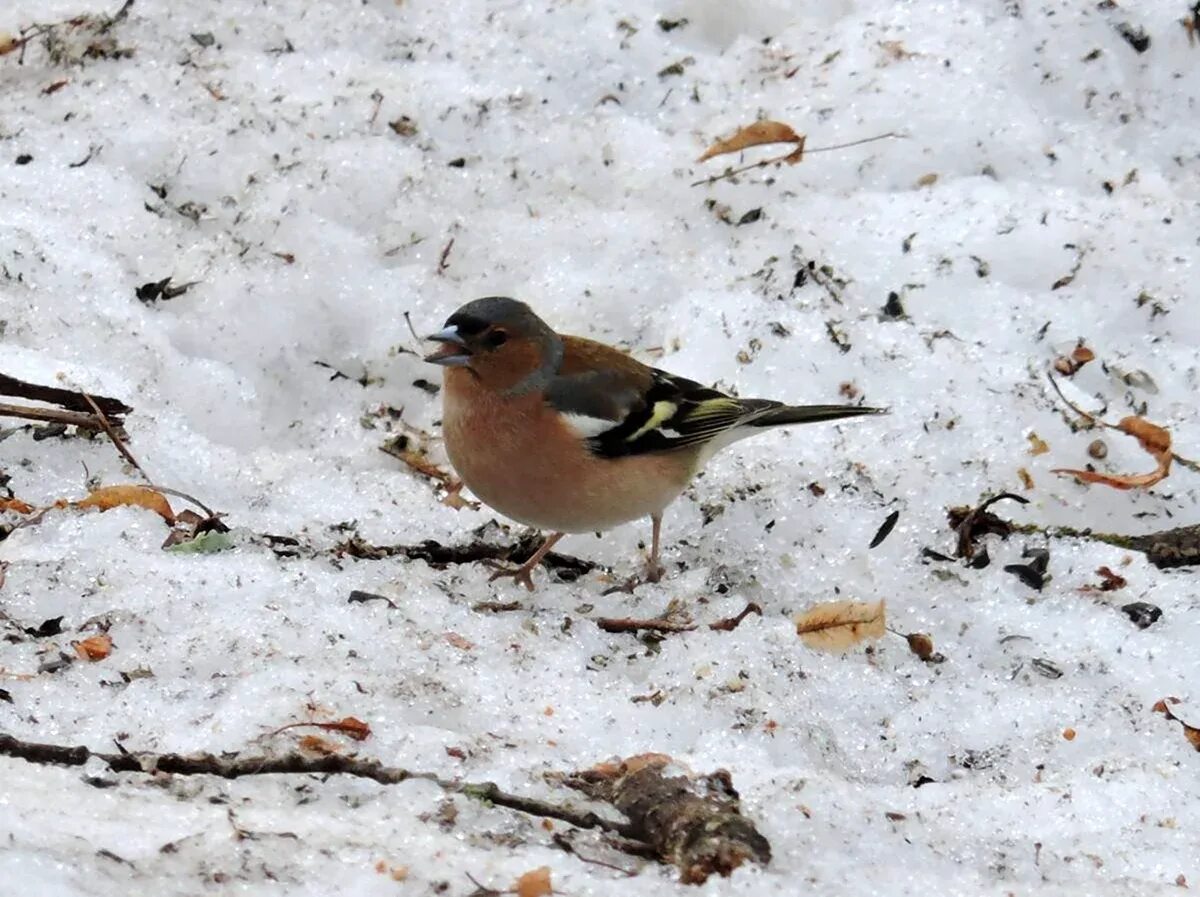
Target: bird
569, 435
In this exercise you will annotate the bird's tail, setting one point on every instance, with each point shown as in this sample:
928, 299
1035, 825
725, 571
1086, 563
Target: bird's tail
784, 415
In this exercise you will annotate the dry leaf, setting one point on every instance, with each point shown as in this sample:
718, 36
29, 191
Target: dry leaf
758, 134
1037, 445
1067, 365
15, 504
458, 641
109, 497
1153, 439
921, 644
349, 726
927, 180
1026, 478
315, 744
1112, 581
838, 625
8, 43
534, 883
1191, 733
96, 647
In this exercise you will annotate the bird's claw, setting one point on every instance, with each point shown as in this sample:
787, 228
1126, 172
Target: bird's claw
653, 573
522, 574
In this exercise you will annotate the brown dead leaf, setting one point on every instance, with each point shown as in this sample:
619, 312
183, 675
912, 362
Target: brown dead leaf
349, 726
1037, 445
1191, 733
927, 180
1153, 439
8, 43
1111, 581
1026, 478
758, 134
534, 883
458, 641
839, 625
15, 504
612, 769
315, 744
1068, 365
921, 644
108, 497
93, 648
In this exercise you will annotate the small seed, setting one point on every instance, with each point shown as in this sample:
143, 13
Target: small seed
1098, 450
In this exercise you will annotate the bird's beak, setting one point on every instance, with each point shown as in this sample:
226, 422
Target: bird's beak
453, 352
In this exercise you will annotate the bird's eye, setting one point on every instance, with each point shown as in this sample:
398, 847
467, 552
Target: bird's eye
496, 338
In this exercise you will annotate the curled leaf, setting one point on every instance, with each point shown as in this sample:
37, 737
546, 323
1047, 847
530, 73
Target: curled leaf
921, 644
838, 625
96, 647
108, 497
758, 134
534, 883
1153, 439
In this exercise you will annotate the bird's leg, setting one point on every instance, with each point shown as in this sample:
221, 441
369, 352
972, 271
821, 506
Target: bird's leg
654, 570
522, 574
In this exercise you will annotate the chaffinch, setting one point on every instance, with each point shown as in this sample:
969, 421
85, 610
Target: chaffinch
572, 436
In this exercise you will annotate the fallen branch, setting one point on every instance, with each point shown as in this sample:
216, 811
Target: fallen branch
731, 623
1178, 547
695, 824
64, 398
653, 624
440, 556
673, 619
114, 438
236, 766
51, 416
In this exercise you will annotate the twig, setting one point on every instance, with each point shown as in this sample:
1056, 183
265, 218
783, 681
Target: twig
238, 766
438, 555
1097, 422
51, 415
444, 258
731, 623
213, 515
654, 624
64, 398
411, 329
563, 841
112, 435
734, 172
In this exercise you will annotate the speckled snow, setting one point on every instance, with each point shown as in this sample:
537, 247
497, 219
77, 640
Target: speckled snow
554, 151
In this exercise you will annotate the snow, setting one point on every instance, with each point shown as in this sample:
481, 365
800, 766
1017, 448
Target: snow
314, 227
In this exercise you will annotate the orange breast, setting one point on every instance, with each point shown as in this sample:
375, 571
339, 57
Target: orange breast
519, 457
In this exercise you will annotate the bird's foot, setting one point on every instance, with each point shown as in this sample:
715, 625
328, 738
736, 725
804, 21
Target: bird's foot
522, 574
652, 574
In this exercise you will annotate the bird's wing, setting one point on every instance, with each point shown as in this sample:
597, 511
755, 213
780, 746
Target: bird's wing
622, 407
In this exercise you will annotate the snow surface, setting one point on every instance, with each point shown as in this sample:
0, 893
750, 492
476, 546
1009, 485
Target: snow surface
574, 193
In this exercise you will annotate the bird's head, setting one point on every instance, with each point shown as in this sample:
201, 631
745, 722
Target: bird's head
501, 342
